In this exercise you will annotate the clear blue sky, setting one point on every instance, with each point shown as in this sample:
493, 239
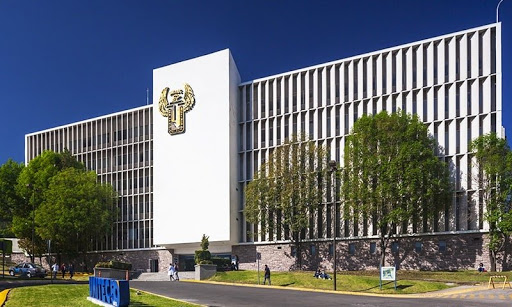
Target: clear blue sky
65, 61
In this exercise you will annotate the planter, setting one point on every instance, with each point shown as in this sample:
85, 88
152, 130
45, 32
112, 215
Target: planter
112, 273
205, 271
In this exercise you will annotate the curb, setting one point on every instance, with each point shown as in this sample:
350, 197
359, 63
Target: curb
3, 296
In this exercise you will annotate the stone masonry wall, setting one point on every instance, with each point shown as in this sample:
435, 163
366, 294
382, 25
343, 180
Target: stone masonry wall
138, 259
437, 252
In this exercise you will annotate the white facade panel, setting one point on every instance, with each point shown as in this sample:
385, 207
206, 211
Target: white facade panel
193, 169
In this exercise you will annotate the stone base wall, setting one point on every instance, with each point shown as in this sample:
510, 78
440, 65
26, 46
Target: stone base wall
435, 252
138, 259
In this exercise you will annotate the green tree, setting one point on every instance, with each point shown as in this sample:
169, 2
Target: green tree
9, 199
392, 176
33, 181
287, 190
75, 211
494, 161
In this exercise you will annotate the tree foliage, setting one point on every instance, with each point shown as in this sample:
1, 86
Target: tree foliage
287, 189
494, 160
203, 256
32, 182
392, 176
9, 199
58, 182
76, 209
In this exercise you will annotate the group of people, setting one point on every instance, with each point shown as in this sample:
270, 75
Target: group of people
321, 274
63, 269
173, 272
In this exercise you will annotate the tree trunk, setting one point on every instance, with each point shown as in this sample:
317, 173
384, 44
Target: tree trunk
382, 251
85, 262
299, 249
492, 256
505, 265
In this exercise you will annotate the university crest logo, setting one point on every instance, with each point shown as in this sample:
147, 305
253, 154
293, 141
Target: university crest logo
181, 101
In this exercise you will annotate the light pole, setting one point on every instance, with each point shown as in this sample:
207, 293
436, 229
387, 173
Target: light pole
334, 168
32, 256
497, 8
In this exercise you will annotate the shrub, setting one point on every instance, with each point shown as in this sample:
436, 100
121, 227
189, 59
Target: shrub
113, 264
223, 264
203, 256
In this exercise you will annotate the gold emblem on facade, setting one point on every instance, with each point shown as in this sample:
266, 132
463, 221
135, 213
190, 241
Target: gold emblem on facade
181, 102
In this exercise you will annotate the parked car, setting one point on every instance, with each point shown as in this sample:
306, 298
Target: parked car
28, 269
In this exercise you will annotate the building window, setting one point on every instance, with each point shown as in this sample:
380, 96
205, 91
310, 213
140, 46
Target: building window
294, 251
418, 246
352, 248
442, 246
373, 248
313, 250
330, 250
394, 247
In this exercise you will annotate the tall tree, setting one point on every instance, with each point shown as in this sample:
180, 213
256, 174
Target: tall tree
9, 199
287, 190
32, 182
494, 162
392, 175
75, 211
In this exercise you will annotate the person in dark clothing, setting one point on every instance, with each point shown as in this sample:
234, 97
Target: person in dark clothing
63, 270
176, 277
481, 268
267, 275
71, 270
317, 273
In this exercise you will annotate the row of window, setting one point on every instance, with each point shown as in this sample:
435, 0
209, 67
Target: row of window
374, 71
133, 126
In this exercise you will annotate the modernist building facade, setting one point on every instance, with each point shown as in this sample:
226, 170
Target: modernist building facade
188, 157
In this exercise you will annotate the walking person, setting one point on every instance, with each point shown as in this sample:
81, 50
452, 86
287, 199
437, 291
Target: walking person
267, 275
71, 270
176, 277
55, 270
63, 270
171, 272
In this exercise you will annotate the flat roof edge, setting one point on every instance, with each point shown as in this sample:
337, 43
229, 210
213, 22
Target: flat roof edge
89, 120
371, 53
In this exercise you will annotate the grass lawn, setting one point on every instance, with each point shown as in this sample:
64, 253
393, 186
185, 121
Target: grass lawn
76, 295
468, 277
364, 281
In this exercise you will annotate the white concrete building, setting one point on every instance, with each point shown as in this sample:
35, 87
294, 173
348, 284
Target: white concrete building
181, 164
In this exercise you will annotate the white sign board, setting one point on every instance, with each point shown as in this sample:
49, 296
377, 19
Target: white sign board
387, 273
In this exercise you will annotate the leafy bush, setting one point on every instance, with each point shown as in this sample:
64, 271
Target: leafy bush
113, 264
203, 256
223, 264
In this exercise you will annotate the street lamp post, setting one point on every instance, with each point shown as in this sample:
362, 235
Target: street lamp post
32, 256
334, 168
497, 10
